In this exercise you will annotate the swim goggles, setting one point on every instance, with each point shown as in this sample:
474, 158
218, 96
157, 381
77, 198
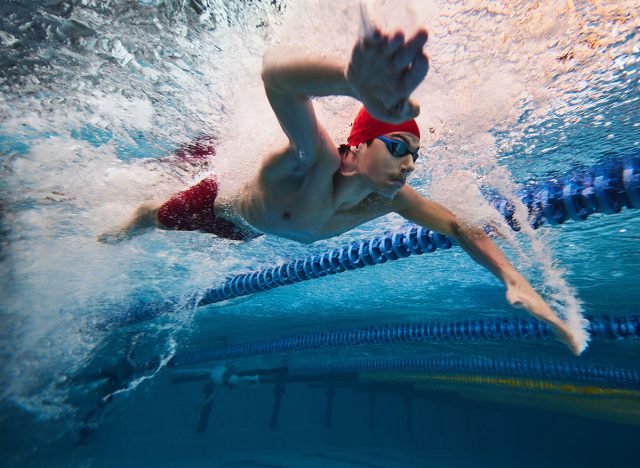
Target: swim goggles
398, 148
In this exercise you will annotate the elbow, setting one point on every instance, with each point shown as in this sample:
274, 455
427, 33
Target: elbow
273, 63
459, 230
267, 71
455, 229
269, 66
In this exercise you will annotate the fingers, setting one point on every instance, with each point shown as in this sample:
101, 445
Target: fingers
405, 55
374, 38
414, 75
413, 109
394, 48
386, 69
401, 112
394, 43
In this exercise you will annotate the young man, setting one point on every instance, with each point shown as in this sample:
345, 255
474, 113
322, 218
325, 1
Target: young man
310, 191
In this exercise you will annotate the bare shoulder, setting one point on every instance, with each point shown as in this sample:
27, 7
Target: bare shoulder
406, 199
409, 203
427, 213
327, 148
292, 160
376, 204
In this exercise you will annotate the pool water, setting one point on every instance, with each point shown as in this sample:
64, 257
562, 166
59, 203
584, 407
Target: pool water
97, 96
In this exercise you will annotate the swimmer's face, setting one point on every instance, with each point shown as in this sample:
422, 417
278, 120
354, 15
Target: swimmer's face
388, 173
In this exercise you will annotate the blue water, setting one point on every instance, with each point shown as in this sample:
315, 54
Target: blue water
95, 97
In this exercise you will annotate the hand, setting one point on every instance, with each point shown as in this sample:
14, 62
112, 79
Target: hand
520, 294
384, 70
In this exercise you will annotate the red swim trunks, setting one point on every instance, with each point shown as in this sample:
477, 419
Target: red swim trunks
192, 210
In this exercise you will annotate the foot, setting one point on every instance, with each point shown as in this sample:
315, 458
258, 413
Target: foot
115, 235
193, 156
521, 295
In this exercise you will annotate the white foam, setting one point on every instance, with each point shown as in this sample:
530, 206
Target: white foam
493, 68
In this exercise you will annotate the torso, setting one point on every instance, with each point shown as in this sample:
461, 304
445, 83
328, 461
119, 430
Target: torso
300, 205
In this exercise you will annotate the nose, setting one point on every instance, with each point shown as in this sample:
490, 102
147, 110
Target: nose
407, 166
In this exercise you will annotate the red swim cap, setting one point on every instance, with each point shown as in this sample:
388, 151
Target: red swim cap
367, 128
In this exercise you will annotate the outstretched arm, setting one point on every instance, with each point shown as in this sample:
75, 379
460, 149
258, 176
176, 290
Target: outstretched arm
482, 249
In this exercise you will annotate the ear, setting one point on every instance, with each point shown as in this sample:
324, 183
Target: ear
356, 150
348, 166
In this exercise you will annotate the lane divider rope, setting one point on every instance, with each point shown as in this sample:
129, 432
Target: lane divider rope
496, 329
606, 188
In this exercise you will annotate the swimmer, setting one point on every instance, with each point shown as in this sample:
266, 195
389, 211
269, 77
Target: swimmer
309, 190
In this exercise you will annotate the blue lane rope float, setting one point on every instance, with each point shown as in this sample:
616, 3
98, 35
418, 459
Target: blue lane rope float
600, 328
606, 189
537, 368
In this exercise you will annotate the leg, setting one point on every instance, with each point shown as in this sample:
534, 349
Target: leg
144, 217
190, 210
194, 210
190, 157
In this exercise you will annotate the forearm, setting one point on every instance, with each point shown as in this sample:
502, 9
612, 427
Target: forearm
412, 206
485, 252
481, 248
296, 72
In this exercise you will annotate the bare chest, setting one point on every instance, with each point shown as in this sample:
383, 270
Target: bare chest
299, 206
303, 209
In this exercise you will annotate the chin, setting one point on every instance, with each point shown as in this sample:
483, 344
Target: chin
389, 194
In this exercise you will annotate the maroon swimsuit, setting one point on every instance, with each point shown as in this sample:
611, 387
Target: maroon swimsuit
193, 209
